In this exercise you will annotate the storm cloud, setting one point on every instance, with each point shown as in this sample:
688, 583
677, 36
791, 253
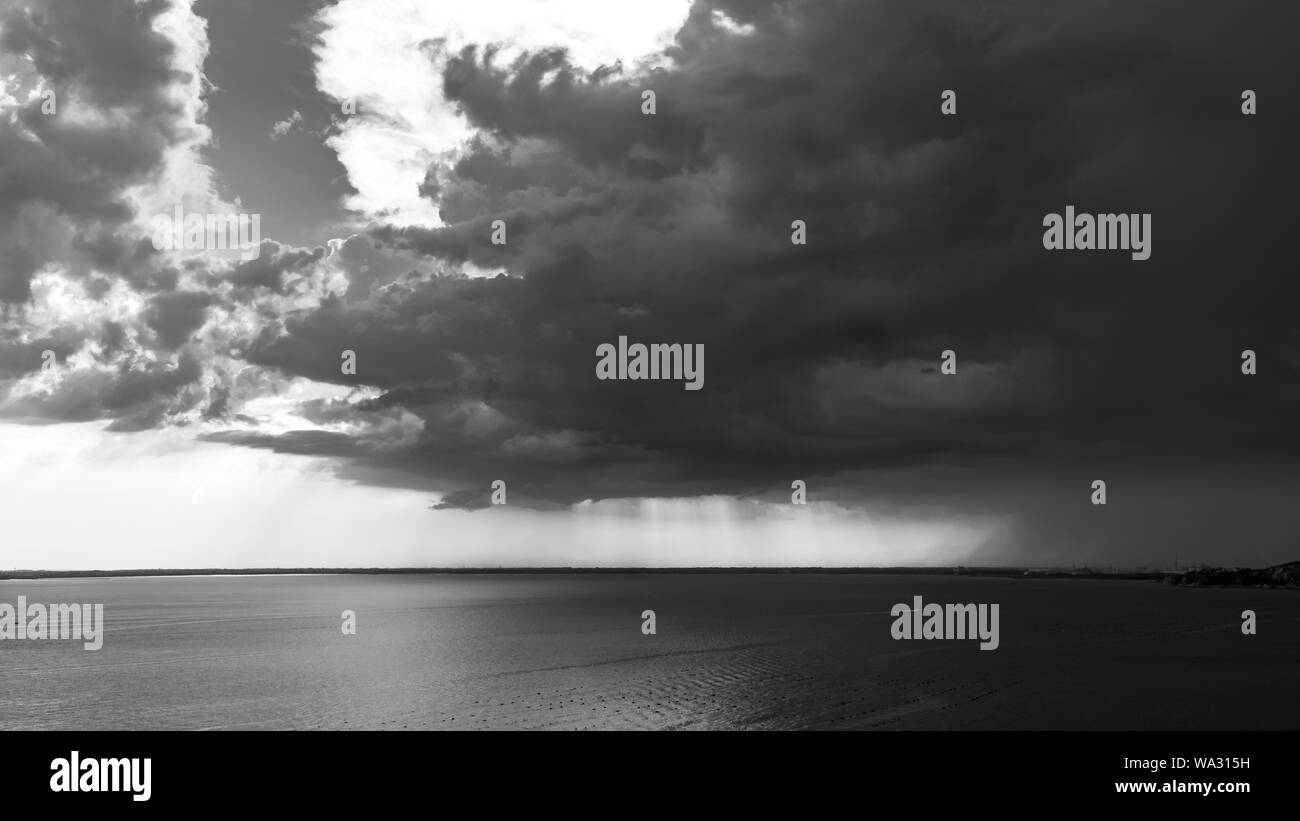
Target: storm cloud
924, 234
475, 360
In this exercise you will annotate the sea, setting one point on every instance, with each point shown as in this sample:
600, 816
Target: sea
728, 651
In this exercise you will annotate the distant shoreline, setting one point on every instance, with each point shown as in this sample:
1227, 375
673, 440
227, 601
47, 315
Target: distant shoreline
1006, 572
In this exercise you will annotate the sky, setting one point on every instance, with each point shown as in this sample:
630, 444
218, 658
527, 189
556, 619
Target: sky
194, 411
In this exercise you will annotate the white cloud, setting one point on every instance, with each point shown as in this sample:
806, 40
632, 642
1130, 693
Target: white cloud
403, 123
186, 179
286, 125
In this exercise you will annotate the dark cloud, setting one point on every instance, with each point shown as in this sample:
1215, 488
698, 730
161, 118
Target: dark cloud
19, 356
300, 442
65, 176
218, 404
271, 266
135, 394
69, 177
139, 385
468, 499
176, 315
924, 235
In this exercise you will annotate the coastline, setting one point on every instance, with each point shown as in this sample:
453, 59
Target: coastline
1286, 575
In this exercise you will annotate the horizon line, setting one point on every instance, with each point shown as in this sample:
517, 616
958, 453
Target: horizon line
1141, 572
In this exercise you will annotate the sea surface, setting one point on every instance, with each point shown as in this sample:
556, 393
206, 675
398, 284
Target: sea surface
731, 651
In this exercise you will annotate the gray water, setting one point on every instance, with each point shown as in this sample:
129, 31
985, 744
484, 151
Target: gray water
732, 651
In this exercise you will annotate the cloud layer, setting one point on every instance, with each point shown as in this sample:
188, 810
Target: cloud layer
476, 361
